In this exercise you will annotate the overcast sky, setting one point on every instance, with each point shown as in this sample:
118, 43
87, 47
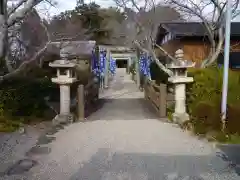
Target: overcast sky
63, 5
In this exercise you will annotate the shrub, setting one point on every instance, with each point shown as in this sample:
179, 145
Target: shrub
9, 125
232, 122
22, 100
132, 68
205, 117
204, 100
157, 74
24, 96
170, 111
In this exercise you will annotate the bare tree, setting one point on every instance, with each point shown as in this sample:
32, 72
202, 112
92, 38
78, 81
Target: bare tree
11, 17
211, 13
142, 22
26, 38
66, 27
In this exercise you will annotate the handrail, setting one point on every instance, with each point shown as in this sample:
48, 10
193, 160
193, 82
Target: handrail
157, 96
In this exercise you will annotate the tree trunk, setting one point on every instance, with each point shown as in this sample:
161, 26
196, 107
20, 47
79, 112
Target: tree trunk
3, 30
214, 55
4, 37
152, 53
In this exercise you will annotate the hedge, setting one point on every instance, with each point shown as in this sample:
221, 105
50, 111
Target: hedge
158, 74
22, 98
204, 101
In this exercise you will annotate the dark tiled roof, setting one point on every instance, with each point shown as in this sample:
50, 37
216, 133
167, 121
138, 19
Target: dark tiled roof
194, 28
75, 48
235, 28
185, 29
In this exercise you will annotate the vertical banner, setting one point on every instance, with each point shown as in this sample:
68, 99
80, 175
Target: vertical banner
94, 63
144, 65
141, 64
148, 66
102, 67
112, 66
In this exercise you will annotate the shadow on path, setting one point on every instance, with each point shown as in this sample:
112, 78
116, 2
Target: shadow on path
136, 166
231, 153
124, 109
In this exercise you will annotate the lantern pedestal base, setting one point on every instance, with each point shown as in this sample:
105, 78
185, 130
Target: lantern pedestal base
63, 119
180, 118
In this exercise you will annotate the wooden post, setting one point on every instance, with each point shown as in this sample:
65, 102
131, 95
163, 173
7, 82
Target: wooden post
145, 89
163, 100
128, 65
81, 103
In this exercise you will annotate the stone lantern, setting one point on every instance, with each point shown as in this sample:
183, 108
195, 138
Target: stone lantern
65, 77
180, 79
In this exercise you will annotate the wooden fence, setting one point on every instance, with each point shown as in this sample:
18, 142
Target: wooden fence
157, 96
87, 99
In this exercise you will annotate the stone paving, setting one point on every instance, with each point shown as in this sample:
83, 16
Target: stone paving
124, 140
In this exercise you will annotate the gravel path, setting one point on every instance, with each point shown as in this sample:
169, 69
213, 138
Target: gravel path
122, 141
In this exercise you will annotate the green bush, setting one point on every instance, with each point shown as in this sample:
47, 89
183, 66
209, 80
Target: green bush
9, 125
204, 101
22, 100
24, 96
170, 111
157, 74
132, 68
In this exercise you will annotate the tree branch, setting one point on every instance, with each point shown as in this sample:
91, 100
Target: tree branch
20, 14
14, 8
152, 53
23, 66
198, 14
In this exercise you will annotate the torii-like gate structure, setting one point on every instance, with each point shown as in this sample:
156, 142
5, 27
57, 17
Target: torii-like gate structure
120, 53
